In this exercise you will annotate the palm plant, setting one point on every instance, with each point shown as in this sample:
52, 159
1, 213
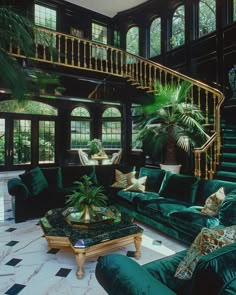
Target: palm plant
86, 196
171, 121
19, 31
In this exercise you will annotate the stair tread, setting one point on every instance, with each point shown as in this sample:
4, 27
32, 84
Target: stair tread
226, 174
228, 164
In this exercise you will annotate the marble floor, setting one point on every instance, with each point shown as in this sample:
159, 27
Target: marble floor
28, 266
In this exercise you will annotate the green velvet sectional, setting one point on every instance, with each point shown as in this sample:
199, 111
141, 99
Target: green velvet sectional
215, 274
172, 203
40, 189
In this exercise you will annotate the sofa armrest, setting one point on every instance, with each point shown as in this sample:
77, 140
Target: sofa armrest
17, 188
218, 269
119, 274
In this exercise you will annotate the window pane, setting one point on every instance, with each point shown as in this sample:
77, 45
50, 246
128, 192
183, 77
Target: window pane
111, 112
46, 18
117, 39
207, 16
155, 37
46, 141
111, 134
99, 33
178, 27
80, 134
22, 142
2, 141
234, 16
31, 107
132, 40
80, 112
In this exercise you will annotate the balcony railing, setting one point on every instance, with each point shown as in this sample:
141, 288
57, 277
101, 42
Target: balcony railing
68, 51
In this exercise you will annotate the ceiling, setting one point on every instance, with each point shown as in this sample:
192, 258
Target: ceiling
107, 7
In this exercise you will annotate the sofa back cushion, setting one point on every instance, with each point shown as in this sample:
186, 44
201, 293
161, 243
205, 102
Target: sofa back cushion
35, 181
227, 209
54, 177
154, 180
179, 186
70, 174
209, 187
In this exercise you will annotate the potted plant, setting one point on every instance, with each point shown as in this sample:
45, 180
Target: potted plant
86, 197
171, 121
95, 146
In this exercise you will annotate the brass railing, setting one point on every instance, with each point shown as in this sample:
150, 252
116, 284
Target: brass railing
69, 51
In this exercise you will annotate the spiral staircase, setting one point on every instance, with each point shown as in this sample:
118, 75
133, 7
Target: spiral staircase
84, 55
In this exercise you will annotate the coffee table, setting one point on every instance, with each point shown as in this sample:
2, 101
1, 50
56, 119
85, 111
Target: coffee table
89, 240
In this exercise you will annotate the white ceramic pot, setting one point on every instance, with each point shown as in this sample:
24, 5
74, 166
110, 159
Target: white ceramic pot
171, 168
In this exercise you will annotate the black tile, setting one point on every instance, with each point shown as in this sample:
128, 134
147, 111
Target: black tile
10, 229
63, 272
15, 289
12, 243
13, 262
9, 219
53, 251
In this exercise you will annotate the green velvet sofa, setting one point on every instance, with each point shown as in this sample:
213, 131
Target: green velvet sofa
40, 189
172, 203
215, 274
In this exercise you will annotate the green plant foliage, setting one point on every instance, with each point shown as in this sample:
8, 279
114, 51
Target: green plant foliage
87, 194
171, 120
18, 30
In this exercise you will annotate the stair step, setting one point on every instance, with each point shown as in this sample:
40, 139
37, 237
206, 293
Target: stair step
224, 175
227, 166
229, 148
229, 156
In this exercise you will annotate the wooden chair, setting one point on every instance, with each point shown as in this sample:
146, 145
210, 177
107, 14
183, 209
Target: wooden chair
84, 159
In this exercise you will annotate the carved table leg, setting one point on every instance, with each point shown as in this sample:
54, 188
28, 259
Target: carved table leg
80, 260
137, 243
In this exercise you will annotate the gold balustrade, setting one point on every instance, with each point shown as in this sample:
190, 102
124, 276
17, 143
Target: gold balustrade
65, 50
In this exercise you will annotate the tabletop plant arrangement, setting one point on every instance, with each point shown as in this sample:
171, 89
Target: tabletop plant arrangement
86, 198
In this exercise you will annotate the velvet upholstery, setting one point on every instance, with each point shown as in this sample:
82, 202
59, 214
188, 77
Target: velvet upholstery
215, 274
154, 179
54, 177
35, 181
227, 210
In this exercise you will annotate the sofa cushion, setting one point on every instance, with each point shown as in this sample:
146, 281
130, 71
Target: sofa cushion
154, 178
178, 186
193, 216
164, 206
123, 180
137, 184
213, 202
208, 187
227, 209
208, 240
54, 177
35, 181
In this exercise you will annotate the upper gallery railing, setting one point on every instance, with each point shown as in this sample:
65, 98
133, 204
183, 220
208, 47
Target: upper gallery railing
69, 51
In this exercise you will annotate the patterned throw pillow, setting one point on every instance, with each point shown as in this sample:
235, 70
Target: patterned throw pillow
138, 185
206, 241
213, 202
123, 180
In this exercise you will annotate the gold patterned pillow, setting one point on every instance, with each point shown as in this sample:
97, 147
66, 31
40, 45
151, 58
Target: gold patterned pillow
208, 240
213, 202
123, 180
138, 185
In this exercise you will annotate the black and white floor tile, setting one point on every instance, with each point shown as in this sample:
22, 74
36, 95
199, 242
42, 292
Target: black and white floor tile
28, 266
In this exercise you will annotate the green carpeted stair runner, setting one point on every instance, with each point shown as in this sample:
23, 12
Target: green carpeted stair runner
227, 167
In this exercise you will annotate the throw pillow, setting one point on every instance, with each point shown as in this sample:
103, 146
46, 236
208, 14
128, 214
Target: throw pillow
123, 180
34, 180
213, 202
206, 241
138, 185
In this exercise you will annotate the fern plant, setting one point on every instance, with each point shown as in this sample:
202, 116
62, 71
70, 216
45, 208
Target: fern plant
86, 195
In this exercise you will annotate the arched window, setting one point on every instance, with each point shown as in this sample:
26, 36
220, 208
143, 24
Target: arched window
155, 37
207, 17
132, 40
234, 9
111, 128
178, 27
80, 128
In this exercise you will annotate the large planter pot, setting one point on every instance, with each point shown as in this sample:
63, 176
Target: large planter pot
171, 168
